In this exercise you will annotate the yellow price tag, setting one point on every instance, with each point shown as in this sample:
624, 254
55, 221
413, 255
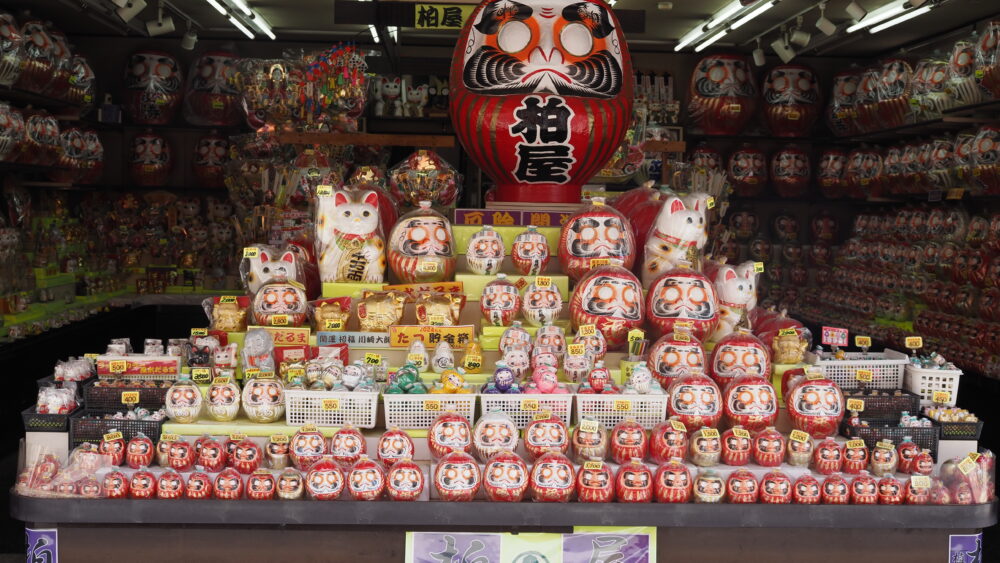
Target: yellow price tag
590, 426
855, 444
741, 433
543, 281
758, 267
710, 433
435, 320
966, 465
118, 366
130, 397
91, 356
529, 405
227, 299
222, 381
814, 376
251, 372
914, 342
331, 324
431, 405
576, 349
169, 437
331, 404
279, 320
636, 335
279, 438
920, 482
710, 202
682, 337
473, 361
308, 428
265, 374
788, 332
955, 193
251, 252
941, 397
864, 375
863, 341
428, 267
324, 190
199, 332
974, 456
678, 426
586, 330
416, 359
296, 372
593, 465
855, 405
884, 445
622, 405
798, 436
542, 415
201, 375
595, 262
113, 436
373, 359
238, 436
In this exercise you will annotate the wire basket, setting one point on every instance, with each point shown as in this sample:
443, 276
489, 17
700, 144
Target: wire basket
647, 410
889, 429
886, 406
522, 408
331, 408
35, 422
960, 430
109, 400
419, 410
927, 382
84, 428
886, 367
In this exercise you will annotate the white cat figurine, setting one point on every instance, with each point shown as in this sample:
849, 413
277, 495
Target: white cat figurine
678, 234
224, 358
735, 291
746, 271
263, 270
348, 238
392, 103
416, 100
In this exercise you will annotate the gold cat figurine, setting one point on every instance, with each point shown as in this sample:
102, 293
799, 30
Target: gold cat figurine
377, 310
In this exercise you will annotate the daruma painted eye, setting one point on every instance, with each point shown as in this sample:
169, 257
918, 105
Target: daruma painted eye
576, 39
513, 36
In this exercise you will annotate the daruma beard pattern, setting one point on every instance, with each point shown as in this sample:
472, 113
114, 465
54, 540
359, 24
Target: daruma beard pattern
553, 47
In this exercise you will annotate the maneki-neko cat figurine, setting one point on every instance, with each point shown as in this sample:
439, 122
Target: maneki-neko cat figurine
678, 236
379, 309
349, 238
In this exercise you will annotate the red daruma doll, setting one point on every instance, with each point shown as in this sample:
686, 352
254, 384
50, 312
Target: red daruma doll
598, 232
672, 482
457, 477
506, 477
634, 482
552, 478
628, 441
723, 94
610, 298
736, 446
668, 440
742, 487
595, 482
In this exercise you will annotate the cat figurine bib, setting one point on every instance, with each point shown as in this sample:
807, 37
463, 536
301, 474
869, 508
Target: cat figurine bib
349, 238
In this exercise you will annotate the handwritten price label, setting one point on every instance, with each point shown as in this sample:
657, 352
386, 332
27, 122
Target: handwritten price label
622, 405
864, 375
589, 426
373, 359
543, 281
678, 426
529, 405
228, 299
741, 433
758, 267
595, 262
428, 267
416, 359
330, 324
798, 436
473, 362
279, 438
682, 337
111, 436
323, 190
920, 482
593, 465
710, 433
265, 374
587, 330
251, 252
169, 437
863, 341
201, 375
966, 465
117, 366
855, 444
855, 405
308, 428
788, 332
914, 342
130, 397
432, 405
279, 320
941, 397
637, 335
576, 349
542, 415
238, 436
331, 404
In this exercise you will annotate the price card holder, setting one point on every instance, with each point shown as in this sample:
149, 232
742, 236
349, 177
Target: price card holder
331, 404
798, 436
586, 330
857, 405
593, 465
741, 433
855, 444
373, 359
432, 405
130, 397
711, 433
589, 426
529, 405
678, 426
941, 397
622, 405
864, 375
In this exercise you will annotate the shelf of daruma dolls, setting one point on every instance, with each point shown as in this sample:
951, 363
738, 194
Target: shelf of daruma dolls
463, 233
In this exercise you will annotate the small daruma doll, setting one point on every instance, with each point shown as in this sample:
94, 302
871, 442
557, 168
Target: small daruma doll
674, 355
290, 484
405, 480
485, 252
546, 433
170, 485
116, 485
223, 400
610, 298
181, 456
890, 491
694, 400
668, 440
347, 445
855, 456
325, 480
495, 431
709, 487
530, 252
421, 247
589, 440
552, 478
750, 400
212, 97
366, 479
599, 232
815, 405
246, 457
835, 490
151, 160
595, 482
153, 82
739, 353
775, 488
806, 490
672, 482
506, 477
142, 485
264, 399
139, 451
884, 459
183, 402
742, 487
628, 441
457, 477
800, 449
634, 482
448, 432
736, 446
500, 301
113, 446
394, 445
261, 485
769, 448
828, 457
542, 302
706, 447
864, 489
682, 295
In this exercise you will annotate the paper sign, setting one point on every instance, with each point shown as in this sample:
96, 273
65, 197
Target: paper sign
863, 341
798, 436
855, 444
966, 465
331, 404
941, 397
864, 375
855, 405
914, 342
401, 336
110, 436
833, 336
431, 405
373, 359
529, 405
130, 397
741, 433
709, 433
586, 330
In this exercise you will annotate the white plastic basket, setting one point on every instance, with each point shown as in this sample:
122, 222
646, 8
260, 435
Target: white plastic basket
925, 382
331, 408
419, 411
886, 367
647, 410
522, 408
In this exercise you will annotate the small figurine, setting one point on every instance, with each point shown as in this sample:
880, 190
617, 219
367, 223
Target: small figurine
439, 309
452, 381
503, 381
544, 379
500, 301
530, 252
640, 382
542, 302
377, 310
598, 381
494, 432
444, 358
485, 252
406, 380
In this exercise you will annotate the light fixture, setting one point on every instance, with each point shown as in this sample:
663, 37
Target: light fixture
664, 5
393, 32
783, 49
689, 38
900, 19
856, 11
759, 58
756, 12
131, 9
374, 32
189, 40
824, 24
161, 25
236, 23
724, 14
243, 7
711, 40
880, 15
120, 3
218, 7
799, 36
260, 23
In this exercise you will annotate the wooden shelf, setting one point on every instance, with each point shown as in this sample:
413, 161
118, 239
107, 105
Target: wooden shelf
340, 139
61, 109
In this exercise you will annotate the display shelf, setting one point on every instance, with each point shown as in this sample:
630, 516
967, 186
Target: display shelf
408, 125
976, 109
61, 109
763, 137
440, 513
931, 126
340, 139
474, 284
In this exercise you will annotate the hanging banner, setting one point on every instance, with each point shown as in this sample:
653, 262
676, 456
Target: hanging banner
587, 544
441, 16
42, 545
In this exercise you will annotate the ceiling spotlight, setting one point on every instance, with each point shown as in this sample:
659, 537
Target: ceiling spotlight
758, 55
800, 37
374, 31
856, 11
783, 50
190, 38
161, 24
664, 5
131, 9
823, 23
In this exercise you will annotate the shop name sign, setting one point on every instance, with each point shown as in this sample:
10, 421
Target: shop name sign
502, 218
441, 16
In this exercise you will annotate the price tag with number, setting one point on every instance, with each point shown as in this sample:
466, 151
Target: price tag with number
920, 481
435, 320
130, 397
199, 332
110, 436
227, 299
279, 438
941, 397
758, 267
238, 436
169, 437
118, 366
863, 341
710, 202
855, 444
473, 362
864, 375
966, 465
682, 337
741, 433
637, 334
333, 324
222, 381
331, 404
711, 433
855, 405
416, 359
308, 428
914, 342
593, 465
787, 332
279, 320
595, 262
884, 445
678, 426
251, 252
622, 405
542, 415
431, 405
586, 330
251, 372
543, 281
798, 436
590, 426
576, 349
323, 190
428, 267
373, 359
529, 405
814, 375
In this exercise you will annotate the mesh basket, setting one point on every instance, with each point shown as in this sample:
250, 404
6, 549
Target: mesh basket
647, 410
419, 411
522, 408
88, 429
960, 430
886, 406
108, 400
886, 367
926, 382
34, 422
886, 429
331, 408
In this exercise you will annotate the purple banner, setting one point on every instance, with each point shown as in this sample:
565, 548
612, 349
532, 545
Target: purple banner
965, 548
42, 546
601, 548
502, 217
436, 547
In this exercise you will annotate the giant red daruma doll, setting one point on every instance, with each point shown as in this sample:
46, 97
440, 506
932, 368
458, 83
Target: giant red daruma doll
541, 94
152, 87
212, 98
791, 100
723, 94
